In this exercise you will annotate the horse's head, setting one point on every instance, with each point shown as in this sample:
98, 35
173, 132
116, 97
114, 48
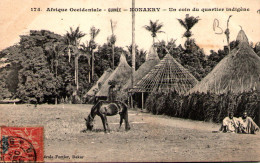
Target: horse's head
89, 123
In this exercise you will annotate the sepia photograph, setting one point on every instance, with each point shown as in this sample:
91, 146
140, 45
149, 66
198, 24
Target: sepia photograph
129, 81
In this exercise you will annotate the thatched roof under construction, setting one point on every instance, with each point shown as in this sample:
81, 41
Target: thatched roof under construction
99, 83
238, 72
168, 75
152, 59
120, 75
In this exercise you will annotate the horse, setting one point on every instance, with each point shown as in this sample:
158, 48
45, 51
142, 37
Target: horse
107, 108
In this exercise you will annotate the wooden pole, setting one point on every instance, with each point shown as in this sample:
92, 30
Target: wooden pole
258, 118
142, 100
129, 105
113, 46
227, 33
133, 48
131, 100
92, 65
77, 71
113, 56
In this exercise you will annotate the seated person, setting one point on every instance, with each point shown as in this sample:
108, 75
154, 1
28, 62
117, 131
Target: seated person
112, 96
247, 125
112, 93
229, 124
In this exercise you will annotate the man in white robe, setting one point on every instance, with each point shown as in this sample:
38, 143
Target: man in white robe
247, 125
229, 124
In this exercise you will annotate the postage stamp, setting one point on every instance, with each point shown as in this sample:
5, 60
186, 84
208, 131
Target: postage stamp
21, 144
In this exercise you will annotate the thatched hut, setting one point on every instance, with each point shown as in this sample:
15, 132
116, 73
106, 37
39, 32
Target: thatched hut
168, 75
238, 72
94, 90
120, 76
152, 59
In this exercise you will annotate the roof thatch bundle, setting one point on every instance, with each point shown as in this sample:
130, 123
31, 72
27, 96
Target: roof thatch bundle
120, 76
152, 59
238, 72
168, 75
3, 65
241, 37
3, 59
99, 83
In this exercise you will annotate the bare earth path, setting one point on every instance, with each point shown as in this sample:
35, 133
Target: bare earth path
151, 138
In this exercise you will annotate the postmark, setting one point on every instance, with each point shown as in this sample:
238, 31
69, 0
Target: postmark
21, 144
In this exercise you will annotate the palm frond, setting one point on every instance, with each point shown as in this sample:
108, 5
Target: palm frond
160, 32
191, 21
182, 23
158, 27
94, 32
148, 28
154, 27
72, 37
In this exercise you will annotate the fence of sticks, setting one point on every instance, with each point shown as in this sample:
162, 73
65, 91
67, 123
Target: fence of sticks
205, 106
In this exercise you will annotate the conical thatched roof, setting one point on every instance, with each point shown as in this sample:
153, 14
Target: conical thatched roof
241, 37
152, 59
152, 54
238, 72
120, 75
99, 83
168, 75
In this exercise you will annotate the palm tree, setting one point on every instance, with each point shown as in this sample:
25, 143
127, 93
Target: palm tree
154, 28
72, 40
112, 40
93, 34
85, 51
188, 23
56, 49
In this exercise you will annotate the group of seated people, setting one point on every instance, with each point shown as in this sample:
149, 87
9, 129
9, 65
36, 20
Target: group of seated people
244, 124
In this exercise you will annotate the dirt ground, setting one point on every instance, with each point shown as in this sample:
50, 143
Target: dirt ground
151, 138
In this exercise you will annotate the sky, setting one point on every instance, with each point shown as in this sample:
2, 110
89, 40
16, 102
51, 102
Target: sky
16, 18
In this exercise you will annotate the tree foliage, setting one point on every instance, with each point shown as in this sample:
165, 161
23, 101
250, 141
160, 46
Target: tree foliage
140, 55
154, 28
36, 82
38, 70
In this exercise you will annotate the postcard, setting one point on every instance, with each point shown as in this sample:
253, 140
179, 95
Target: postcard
129, 81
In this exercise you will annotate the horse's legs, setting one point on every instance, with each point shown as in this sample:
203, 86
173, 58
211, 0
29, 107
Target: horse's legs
103, 121
121, 120
127, 126
106, 123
